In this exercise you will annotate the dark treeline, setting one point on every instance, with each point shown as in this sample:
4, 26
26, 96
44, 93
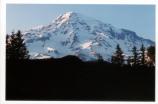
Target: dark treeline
140, 57
69, 78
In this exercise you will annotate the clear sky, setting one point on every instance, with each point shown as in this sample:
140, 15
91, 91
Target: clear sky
138, 18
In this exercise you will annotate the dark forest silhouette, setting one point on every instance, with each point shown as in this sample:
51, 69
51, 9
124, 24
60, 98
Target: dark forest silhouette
69, 78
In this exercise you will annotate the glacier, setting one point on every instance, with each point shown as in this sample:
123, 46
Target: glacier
75, 34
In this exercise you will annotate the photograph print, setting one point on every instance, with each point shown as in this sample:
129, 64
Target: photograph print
70, 52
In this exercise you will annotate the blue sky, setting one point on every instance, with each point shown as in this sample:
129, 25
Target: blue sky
138, 18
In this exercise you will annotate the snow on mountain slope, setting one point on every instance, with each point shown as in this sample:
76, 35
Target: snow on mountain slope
75, 34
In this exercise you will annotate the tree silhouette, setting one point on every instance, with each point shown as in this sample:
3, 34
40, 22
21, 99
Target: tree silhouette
100, 58
135, 56
8, 47
15, 47
129, 61
151, 53
118, 57
142, 49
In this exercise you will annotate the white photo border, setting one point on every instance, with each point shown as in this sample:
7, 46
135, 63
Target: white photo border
3, 4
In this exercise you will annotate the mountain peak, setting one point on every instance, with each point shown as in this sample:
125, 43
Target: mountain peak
66, 17
70, 13
75, 34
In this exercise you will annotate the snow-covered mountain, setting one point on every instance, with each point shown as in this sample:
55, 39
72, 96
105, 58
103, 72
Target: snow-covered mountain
75, 34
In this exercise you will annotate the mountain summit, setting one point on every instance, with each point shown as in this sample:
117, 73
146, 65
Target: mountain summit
75, 34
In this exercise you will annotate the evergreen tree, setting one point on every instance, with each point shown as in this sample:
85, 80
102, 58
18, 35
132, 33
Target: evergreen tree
142, 49
15, 47
118, 57
8, 46
135, 56
151, 53
100, 58
129, 61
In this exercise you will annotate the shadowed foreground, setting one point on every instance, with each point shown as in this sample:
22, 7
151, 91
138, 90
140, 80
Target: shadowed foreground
71, 79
